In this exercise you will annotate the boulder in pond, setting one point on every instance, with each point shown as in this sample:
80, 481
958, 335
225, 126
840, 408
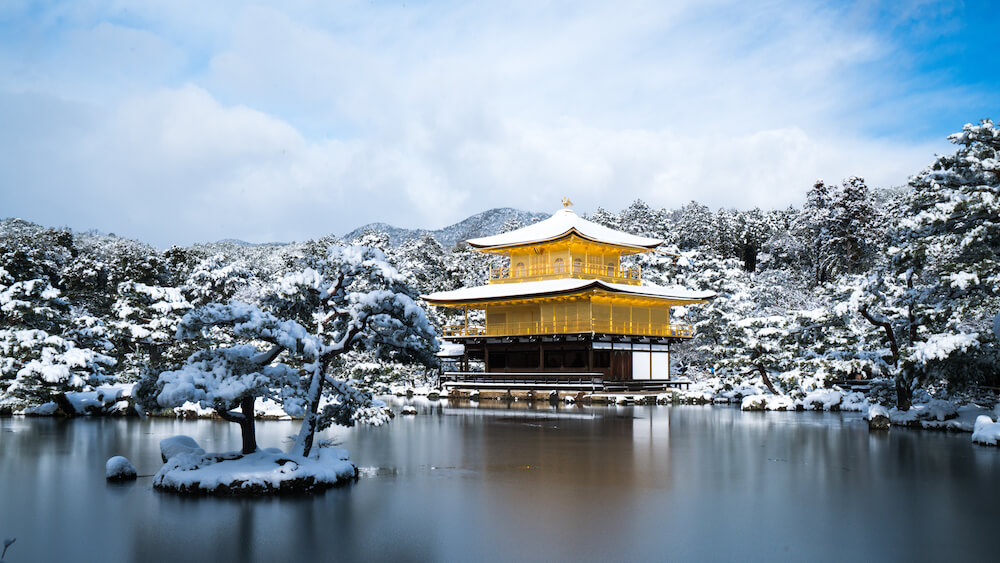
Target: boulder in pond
119, 468
877, 417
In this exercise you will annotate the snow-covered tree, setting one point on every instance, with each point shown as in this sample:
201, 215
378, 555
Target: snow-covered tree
424, 263
855, 226
695, 227
231, 377
144, 322
945, 266
215, 280
355, 300
812, 228
36, 360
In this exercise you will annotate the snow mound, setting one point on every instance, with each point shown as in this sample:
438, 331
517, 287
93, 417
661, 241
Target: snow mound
754, 403
264, 472
780, 403
119, 468
169, 447
986, 432
107, 399
938, 410
44, 409
822, 400
767, 402
855, 402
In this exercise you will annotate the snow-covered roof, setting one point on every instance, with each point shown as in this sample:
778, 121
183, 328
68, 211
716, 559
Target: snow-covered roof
498, 291
562, 223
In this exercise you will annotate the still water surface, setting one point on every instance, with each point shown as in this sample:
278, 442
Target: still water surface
463, 483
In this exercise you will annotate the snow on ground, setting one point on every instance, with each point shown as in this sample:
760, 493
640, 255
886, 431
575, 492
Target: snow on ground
267, 471
933, 414
820, 400
939, 414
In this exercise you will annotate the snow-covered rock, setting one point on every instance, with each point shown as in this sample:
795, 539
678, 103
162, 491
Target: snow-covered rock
780, 403
169, 447
822, 400
878, 418
44, 409
119, 468
935, 410
767, 402
986, 432
261, 473
754, 403
408, 409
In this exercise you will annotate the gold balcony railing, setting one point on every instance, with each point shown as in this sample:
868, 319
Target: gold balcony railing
572, 327
614, 274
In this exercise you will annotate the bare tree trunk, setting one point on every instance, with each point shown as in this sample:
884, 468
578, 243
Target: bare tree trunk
904, 394
310, 420
247, 426
246, 421
767, 380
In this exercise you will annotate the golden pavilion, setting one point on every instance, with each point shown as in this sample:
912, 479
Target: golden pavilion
563, 309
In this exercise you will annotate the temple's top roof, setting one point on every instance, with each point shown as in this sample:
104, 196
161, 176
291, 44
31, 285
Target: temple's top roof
562, 286
562, 223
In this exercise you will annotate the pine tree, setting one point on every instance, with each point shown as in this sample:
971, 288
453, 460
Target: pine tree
36, 360
853, 226
694, 228
946, 253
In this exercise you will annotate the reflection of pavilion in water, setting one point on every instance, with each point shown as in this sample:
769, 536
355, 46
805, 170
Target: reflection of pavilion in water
571, 472
612, 447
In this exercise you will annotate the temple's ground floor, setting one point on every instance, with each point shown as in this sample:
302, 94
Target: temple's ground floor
584, 361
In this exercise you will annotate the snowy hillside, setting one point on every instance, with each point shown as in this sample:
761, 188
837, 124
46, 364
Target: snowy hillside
481, 224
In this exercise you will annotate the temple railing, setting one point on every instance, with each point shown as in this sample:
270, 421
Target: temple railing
614, 274
570, 327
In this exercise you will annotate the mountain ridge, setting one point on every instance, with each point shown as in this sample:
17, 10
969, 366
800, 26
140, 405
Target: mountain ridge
485, 223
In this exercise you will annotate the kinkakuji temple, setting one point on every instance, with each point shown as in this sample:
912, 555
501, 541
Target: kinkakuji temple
564, 311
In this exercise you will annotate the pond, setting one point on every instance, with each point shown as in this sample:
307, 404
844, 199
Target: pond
503, 482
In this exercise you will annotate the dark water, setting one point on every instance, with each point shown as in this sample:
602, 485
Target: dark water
470, 484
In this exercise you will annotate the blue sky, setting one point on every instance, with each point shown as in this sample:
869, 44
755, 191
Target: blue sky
177, 122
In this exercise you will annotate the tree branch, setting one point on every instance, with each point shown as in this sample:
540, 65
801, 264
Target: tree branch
228, 415
266, 358
887, 327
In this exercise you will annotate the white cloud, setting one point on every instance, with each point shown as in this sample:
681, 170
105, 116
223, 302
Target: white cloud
270, 124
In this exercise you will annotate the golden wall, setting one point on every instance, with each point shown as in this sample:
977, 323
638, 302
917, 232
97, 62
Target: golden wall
583, 314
